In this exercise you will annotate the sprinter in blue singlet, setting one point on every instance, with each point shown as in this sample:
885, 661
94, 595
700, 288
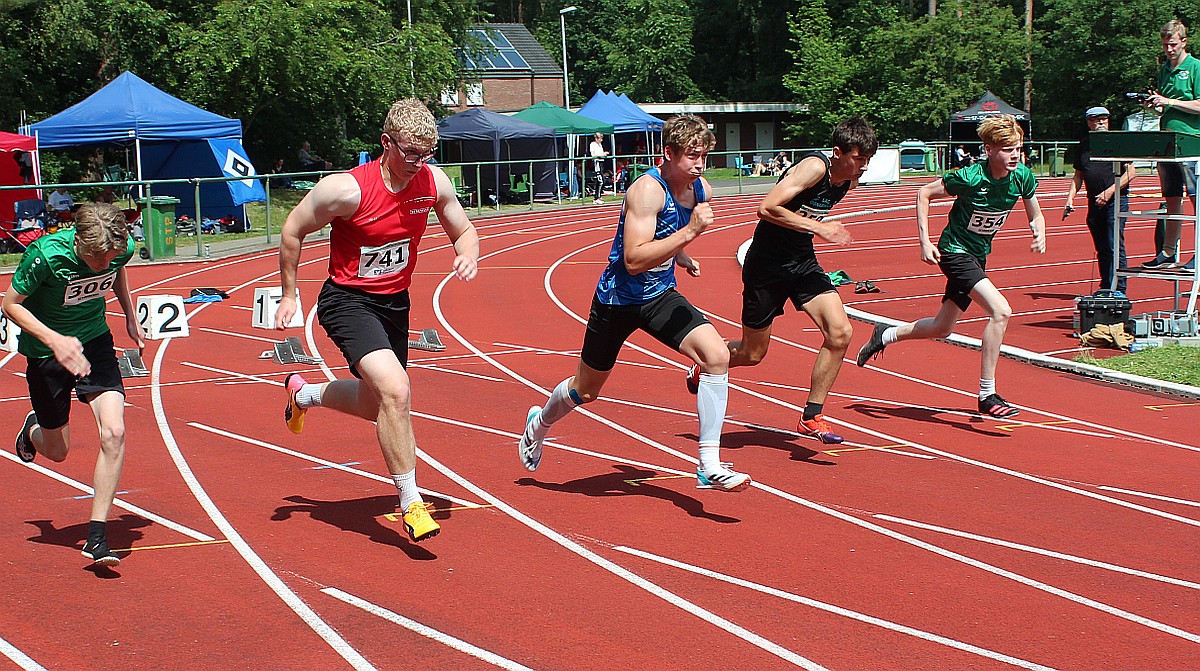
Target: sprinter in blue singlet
663, 211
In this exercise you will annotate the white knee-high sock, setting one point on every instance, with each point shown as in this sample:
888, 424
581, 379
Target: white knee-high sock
711, 401
560, 403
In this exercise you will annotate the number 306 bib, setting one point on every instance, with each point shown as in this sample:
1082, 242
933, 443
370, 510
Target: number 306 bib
384, 259
83, 289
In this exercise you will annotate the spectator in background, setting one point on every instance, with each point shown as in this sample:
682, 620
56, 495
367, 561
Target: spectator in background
280, 182
1101, 184
309, 159
961, 158
61, 201
597, 151
1178, 100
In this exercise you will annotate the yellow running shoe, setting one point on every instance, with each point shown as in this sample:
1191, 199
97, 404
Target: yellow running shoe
293, 414
418, 523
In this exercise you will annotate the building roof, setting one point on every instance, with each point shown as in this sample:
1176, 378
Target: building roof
509, 47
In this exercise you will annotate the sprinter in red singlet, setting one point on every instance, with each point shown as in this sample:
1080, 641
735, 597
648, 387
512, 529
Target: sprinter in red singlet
378, 213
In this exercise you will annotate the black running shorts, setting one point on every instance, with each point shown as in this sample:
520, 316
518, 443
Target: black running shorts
668, 318
963, 272
50, 384
360, 323
765, 291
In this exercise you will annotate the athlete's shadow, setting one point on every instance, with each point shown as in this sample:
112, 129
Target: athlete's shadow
755, 437
630, 481
121, 532
1063, 323
360, 516
1039, 295
974, 423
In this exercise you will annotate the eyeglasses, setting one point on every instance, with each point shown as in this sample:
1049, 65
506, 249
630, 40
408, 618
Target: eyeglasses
411, 155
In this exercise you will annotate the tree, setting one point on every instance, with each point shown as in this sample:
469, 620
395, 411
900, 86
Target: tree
650, 51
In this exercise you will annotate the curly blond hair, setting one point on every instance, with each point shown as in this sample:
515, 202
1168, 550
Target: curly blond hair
412, 119
686, 131
1001, 130
100, 228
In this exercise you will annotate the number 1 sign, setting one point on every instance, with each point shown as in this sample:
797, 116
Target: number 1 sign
266, 304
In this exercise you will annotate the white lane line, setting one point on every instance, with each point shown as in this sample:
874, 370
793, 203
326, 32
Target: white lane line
325, 463
235, 334
285, 593
837, 610
118, 502
427, 631
1160, 497
19, 658
1038, 551
838, 514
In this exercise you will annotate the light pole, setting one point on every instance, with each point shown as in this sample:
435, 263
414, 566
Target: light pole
562, 19
412, 69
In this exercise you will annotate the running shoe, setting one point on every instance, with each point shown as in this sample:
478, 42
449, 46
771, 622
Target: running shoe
417, 522
723, 479
97, 550
293, 414
818, 428
1160, 261
529, 447
874, 347
994, 406
693, 379
24, 444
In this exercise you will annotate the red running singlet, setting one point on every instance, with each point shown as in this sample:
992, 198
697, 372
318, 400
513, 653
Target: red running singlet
376, 249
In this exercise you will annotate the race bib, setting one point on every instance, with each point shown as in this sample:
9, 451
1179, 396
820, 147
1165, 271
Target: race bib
83, 289
986, 223
664, 266
384, 259
813, 213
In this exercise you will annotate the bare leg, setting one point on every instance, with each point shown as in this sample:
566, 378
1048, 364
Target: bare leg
998, 310
752, 348
109, 409
384, 391
829, 315
705, 346
938, 326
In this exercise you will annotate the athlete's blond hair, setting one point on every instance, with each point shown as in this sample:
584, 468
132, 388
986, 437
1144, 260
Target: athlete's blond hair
100, 228
1001, 131
686, 131
1174, 28
410, 117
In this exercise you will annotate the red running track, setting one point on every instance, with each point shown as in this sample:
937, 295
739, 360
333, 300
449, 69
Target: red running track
932, 539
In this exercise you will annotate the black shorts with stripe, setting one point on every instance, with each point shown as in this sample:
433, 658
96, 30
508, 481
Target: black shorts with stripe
360, 323
50, 384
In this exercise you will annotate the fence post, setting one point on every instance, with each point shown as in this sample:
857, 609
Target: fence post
267, 183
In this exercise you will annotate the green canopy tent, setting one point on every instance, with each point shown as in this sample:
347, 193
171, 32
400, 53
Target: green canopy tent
564, 122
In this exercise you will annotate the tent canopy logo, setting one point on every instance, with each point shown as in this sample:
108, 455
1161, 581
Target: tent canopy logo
238, 166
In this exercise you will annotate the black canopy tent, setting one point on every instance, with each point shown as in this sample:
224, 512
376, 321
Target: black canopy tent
478, 135
964, 123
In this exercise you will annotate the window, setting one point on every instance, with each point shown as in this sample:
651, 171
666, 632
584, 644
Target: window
450, 97
474, 94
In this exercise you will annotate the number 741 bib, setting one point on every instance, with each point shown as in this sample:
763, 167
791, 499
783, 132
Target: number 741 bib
384, 259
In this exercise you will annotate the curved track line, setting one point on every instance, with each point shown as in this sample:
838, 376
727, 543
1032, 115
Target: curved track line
19, 658
1070, 596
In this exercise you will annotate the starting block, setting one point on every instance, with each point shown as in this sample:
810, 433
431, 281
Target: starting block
131, 364
429, 341
290, 350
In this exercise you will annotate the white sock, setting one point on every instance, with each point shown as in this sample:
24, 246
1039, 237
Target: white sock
310, 395
710, 459
889, 335
406, 483
712, 398
986, 388
557, 406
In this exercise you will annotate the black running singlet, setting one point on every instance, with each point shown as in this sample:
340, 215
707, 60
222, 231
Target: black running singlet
772, 241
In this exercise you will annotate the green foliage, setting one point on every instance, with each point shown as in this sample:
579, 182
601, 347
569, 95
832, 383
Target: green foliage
650, 51
905, 75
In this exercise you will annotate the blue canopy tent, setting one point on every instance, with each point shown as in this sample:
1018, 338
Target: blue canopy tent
130, 111
480, 136
624, 115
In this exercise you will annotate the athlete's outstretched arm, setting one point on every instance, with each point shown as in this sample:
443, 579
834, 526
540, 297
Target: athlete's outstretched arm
931, 191
809, 172
125, 298
333, 197
457, 225
1037, 223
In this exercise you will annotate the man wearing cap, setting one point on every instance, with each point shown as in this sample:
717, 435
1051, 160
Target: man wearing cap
1101, 184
